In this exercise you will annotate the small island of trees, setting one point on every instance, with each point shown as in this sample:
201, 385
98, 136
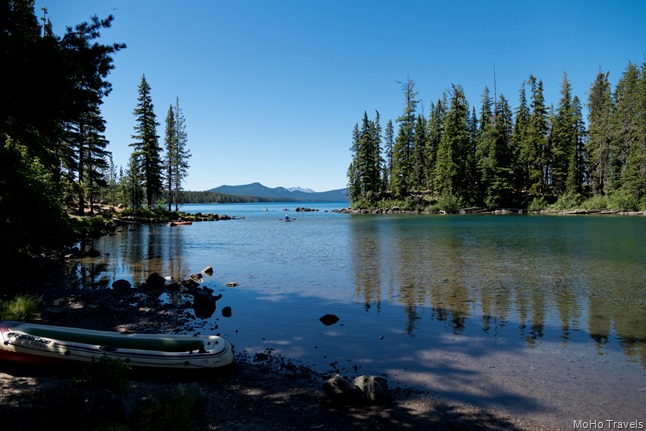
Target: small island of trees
533, 157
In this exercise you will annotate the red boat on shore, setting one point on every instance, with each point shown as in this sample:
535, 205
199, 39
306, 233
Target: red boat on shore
179, 223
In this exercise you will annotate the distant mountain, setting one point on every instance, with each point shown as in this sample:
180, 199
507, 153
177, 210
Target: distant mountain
282, 193
300, 189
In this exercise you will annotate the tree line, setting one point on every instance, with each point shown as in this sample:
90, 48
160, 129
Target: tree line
528, 157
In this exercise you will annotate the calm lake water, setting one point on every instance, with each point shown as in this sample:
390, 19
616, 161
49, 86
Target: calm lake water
544, 316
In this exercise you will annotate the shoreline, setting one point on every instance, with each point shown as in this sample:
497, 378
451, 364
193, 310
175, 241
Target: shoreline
262, 391
489, 211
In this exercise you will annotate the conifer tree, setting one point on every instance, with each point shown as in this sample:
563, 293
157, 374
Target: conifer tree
520, 144
435, 131
170, 142
389, 142
564, 143
132, 183
354, 187
402, 152
485, 136
599, 145
419, 153
94, 160
500, 187
577, 167
147, 151
367, 158
629, 161
536, 150
181, 154
451, 170
377, 159
50, 125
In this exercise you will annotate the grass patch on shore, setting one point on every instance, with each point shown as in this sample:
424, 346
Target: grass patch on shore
22, 307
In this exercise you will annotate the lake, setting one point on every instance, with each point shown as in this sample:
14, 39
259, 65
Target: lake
540, 316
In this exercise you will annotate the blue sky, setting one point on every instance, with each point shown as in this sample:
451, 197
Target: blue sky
272, 89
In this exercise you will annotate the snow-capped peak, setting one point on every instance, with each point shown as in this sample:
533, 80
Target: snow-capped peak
300, 189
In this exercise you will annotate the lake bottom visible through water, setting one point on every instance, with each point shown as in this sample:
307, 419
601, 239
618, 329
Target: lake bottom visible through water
541, 317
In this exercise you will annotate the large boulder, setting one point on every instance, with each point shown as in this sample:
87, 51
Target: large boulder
122, 285
340, 391
203, 304
155, 281
197, 277
374, 389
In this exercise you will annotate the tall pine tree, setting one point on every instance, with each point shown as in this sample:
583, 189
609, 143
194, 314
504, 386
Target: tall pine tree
402, 152
180, 155
170, 142
564, 143
451, 169
599, 145
147, 152
535, 147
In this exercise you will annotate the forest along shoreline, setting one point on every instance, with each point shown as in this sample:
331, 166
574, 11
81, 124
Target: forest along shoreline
481, 210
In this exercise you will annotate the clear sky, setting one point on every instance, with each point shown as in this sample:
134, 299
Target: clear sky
271, 90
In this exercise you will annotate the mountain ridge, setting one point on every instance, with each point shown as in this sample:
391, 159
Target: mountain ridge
256, 189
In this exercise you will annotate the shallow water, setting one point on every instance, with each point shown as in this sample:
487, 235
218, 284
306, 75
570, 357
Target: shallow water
544, 316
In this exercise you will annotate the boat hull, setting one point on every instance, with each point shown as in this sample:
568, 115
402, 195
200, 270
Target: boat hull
43, 345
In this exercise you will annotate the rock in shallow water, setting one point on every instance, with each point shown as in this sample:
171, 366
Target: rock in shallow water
329, 319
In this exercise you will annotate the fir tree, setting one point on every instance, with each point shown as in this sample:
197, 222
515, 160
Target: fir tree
389, 142
402, 152
629, 167
536, 149
577, 167
451, 170
435, 131
354, 187
500, 188
599, 145
485, 136
146, 144
419, 153
132, 183
170, 141
564, 143
180, 155
520, 144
